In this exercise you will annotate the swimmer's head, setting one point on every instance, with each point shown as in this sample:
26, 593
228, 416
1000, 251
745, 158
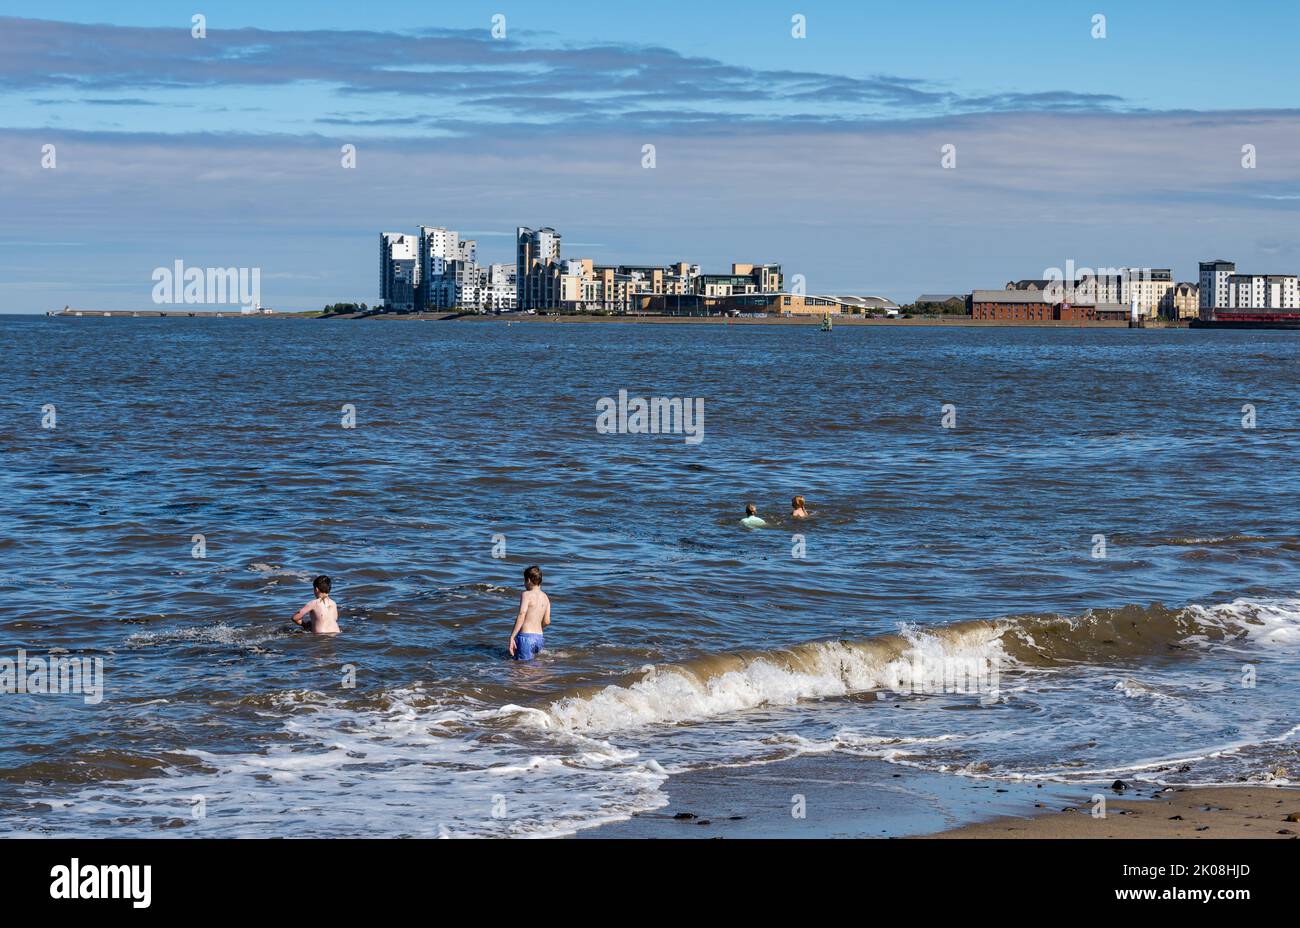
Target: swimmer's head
797, 502
533, 577
751, 509
321, 585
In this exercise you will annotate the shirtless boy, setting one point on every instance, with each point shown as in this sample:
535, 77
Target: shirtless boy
324, 611
534, 615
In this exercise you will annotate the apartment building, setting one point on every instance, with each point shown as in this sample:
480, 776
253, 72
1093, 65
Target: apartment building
1149, 289
500, 295
1186, 301
744, 278
1263, 291
450, 277
399, 271
537, 270
1214, 283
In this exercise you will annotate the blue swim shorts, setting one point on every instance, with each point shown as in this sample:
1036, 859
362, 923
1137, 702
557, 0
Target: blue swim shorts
527, 646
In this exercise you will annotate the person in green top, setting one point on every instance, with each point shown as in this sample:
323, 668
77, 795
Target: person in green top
752, 519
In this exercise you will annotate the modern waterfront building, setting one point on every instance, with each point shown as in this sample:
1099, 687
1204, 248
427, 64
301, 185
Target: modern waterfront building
1214, 283
500, 295
1263, 291
545, 280
767, 304
744, 278
439, 270
399, 271
450, 277
437, 247
1260, 297
537, 267
1150, 289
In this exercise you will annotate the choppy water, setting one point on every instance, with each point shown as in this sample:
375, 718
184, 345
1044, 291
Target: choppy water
680, 639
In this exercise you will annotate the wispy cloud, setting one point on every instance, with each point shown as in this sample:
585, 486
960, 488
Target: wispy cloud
464, 81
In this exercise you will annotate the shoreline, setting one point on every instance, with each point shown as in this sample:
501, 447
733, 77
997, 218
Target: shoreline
175, 314
630, 319
846, 796
804, 320
1177, 812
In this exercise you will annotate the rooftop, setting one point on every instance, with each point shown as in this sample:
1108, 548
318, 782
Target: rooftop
1008, 296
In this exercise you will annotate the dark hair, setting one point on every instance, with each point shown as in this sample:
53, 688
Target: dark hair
751, 509
533, 575
321, 584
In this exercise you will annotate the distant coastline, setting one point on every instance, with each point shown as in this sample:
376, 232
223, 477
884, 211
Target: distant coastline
630, 318
178, 314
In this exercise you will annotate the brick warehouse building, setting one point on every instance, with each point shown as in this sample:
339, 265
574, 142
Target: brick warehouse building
1035, 306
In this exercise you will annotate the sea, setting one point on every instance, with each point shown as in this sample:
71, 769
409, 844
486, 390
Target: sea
1048, 555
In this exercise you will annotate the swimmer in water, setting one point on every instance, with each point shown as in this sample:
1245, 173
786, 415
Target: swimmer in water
324, 611
752, 519
534, 615
797, 508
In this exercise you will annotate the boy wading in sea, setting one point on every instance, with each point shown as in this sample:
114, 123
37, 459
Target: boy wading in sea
752, 518
324, 611
534, 615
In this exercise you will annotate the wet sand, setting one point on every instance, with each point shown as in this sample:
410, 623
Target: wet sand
1205, 812
852, 797
843, 797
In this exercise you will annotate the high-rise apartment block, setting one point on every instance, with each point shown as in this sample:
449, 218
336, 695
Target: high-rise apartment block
439, 270
1214, 283
399, 271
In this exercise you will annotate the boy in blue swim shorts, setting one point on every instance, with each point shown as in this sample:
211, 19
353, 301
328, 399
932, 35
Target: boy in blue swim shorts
534, 615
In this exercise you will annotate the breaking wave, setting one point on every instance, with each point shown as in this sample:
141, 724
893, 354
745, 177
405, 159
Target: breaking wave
962, 657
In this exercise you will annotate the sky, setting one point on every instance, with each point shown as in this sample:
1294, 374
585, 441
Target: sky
936, 147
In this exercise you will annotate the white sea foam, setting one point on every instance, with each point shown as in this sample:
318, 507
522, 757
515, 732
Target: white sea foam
205, 634
271, 570
1266, 621
397, 770
692, 693
1135, 689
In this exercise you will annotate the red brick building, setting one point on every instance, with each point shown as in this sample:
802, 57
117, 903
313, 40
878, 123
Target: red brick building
1037, 306
1011, 306
1105, 312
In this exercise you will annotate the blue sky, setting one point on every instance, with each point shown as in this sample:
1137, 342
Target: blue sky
822, 153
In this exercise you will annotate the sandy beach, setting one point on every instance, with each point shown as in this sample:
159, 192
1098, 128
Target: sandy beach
1205, 812
853, 797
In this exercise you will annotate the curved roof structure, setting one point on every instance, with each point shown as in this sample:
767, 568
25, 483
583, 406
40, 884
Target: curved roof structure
860, 302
